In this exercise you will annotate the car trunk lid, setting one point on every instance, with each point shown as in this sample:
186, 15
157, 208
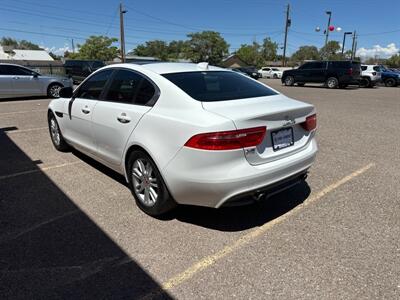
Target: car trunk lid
280, 114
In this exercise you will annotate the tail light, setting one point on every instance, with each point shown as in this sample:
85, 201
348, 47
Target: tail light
349, 71
228, 140
310, 123
374, 73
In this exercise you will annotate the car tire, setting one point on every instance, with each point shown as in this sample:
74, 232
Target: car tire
55, 134
301, 84
289, 81
275, 76
147, 185
332, 82
390, 82
365, 82
53, 91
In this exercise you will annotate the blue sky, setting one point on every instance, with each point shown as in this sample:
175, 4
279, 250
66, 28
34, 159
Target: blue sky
53, 23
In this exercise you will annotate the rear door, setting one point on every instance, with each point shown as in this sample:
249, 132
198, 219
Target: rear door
130, 95
78, 123
356, 70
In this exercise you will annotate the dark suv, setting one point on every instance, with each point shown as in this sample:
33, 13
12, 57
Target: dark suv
80, 69
333, 73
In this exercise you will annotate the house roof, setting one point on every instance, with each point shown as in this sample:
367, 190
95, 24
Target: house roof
17, 54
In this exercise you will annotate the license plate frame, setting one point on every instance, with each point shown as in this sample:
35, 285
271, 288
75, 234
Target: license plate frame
288, 131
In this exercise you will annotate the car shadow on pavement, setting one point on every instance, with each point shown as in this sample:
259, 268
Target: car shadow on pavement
224, 219
245, 217
49, 247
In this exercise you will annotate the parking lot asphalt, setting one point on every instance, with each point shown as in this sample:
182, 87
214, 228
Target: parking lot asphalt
69, 227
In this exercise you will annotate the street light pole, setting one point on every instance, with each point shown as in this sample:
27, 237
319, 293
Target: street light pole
344, 40
122, 33
353, 46
329, 13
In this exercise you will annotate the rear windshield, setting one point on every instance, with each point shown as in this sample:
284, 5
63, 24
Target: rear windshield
218, 85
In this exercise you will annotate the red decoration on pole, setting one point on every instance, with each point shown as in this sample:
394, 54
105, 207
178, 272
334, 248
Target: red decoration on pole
331, 28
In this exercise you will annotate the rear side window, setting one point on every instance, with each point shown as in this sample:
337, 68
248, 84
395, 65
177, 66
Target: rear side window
92, 88
340, 64
218, 85
376, 68
130, 87
364, 68
316, 65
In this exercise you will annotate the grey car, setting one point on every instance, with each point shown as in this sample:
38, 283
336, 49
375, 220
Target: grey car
18, 81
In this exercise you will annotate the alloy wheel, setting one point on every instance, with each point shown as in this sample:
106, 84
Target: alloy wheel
55, 91
145, 182
55, 131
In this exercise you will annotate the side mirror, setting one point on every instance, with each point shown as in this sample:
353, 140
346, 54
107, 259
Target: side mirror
66, 92
35, 75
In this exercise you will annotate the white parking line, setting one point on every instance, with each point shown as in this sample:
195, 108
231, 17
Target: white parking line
38, 170
22, 112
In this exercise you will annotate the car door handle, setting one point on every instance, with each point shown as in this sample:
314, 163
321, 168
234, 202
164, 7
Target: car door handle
123, 118
85, 110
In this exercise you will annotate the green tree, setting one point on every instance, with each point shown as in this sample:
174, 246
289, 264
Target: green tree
96, 47
207, 46
331, 51
177, 49
305, 53
15, 44
156, 48
394, 61
269, 50
250, 54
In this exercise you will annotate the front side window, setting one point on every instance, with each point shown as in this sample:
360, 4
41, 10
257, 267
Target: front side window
92, 88
364, 68
218, 85
14, 70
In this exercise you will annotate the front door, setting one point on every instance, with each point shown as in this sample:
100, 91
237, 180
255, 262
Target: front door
115, 117
78, 126
25, 82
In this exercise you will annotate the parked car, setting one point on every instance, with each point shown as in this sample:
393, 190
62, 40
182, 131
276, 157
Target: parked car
18, 81
333, 73
80, 69
389, 78
250, 71
268, 72
187, 133
370, 76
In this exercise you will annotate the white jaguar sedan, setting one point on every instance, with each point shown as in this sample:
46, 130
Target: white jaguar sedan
187, 133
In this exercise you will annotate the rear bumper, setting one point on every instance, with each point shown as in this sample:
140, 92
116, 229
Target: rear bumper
202, 178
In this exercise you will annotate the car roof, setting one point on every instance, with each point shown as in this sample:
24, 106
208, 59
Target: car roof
171, 67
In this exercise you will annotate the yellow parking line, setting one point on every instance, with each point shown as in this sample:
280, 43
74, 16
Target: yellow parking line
247, 238
22, 112
38, 170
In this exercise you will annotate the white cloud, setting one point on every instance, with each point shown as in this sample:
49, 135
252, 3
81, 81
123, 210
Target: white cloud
378, 51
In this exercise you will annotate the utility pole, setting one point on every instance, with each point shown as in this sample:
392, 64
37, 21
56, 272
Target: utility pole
353, 45
329, 13
288, 22
122, 33
73, 46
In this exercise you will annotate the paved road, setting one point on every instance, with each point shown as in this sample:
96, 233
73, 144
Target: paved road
70, 229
